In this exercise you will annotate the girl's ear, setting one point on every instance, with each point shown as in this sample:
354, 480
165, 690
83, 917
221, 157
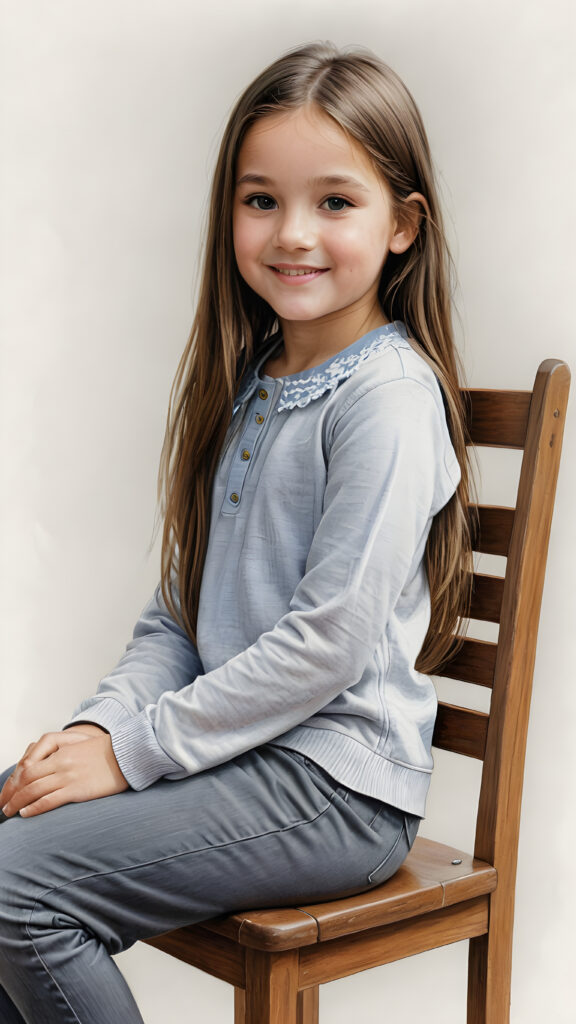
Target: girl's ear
413, 208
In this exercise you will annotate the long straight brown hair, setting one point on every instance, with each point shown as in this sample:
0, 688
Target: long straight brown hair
371, 104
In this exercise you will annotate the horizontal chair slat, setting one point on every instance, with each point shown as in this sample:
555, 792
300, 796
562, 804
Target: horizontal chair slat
383, 945
221, 957
461, 730
491, 527
487, 594
497, 419
474, 662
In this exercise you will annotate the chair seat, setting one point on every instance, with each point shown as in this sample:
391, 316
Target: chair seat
432, 877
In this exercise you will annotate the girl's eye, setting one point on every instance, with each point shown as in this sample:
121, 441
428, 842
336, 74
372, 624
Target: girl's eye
261, 202
335, 204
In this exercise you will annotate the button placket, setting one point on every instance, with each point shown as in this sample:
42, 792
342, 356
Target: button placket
261, 406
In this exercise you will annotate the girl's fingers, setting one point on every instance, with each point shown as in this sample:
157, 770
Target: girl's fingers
34, 765
28, 768
36, 781
67, 775
7, 791
39, 751
49, 744
13, 781
11, 786
47, 802
39, 792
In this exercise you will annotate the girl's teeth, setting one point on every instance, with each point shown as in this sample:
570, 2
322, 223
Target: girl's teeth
295, 273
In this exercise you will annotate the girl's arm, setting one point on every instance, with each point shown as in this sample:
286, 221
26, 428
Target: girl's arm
386, 479
79, 763
159, 657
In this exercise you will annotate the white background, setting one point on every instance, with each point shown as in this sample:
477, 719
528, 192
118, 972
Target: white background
110, 115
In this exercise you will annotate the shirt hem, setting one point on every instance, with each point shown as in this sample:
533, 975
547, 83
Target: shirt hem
359, 768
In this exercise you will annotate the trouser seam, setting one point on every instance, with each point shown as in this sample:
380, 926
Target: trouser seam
185, 853
48, 971
389, 854
170, 857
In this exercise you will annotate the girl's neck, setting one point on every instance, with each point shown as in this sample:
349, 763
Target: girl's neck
309, 344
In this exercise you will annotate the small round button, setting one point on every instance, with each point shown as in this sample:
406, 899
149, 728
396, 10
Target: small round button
245, 455
263, 394
259, 418
234, 498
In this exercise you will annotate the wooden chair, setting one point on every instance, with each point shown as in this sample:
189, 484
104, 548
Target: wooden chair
276, 959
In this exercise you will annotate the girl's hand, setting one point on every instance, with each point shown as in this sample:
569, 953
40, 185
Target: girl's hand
61, 768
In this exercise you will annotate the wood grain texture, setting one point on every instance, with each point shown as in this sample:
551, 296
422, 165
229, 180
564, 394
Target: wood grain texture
491, 527
419, 887
461, 730
474, 662
363, 950
308, 1005
497, 419
239, 1006
487, 593
307, 1008
214, 954
271, 987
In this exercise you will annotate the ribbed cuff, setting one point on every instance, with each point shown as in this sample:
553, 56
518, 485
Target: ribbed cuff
140, 757
106, 712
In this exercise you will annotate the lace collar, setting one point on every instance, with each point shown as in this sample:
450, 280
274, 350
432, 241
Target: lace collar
298, 390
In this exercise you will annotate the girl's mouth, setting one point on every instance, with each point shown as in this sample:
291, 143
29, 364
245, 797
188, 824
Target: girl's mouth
297, 274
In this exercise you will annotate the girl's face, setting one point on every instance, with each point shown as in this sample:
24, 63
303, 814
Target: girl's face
313, 221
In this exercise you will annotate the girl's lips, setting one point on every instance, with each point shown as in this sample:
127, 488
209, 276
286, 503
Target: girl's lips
296, 274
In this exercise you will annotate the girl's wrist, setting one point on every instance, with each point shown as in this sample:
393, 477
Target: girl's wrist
88, 728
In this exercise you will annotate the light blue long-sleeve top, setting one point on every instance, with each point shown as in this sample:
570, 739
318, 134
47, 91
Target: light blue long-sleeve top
314, 600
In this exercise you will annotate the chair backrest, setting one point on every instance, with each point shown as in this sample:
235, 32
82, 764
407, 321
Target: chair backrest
534, 422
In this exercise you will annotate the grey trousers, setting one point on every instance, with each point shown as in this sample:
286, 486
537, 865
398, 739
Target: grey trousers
84, 881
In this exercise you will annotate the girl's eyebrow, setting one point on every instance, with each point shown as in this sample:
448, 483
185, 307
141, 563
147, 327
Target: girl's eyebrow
333, 180
328, 180
253, 179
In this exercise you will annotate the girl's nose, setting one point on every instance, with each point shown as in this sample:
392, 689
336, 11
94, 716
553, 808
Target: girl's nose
295, 230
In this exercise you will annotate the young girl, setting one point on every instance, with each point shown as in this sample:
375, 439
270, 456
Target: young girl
266, 737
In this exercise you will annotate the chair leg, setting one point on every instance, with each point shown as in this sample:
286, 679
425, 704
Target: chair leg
308, 1005
239, 1006
271, 995
489, 977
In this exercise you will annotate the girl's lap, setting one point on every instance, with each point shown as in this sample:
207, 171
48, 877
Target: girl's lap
266, 828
